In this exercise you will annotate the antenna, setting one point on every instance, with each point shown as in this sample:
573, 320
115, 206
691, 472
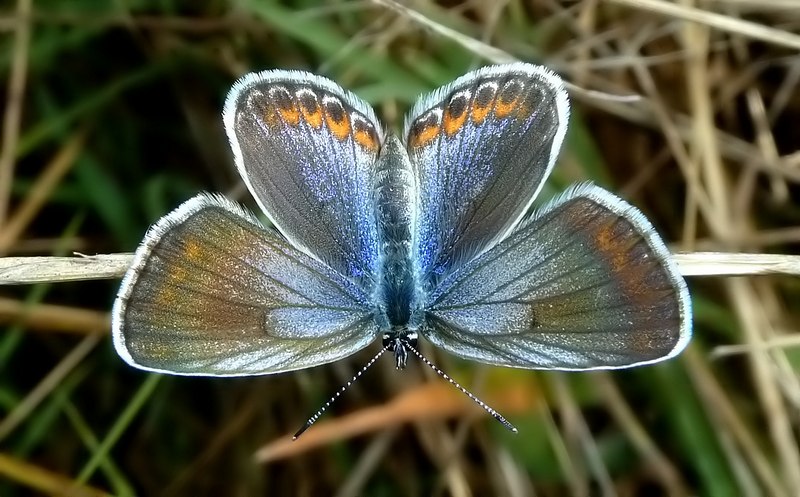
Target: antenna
405, 344
313, 419
496, 415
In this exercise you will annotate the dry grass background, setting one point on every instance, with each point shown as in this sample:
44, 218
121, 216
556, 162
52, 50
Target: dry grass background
689, 109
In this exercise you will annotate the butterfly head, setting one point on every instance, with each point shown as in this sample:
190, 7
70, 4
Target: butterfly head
399, 340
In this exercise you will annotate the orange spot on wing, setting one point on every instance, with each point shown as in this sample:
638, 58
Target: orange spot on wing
189, 251
424, 136
279, 107
270, 115
167, 290
504, 109
452, 123
509, 99
290, 115
338, 122
455, 114
478, 113
192, 250
424, 130
165, 293
614, 242
366, 140
482, 104
364, 134
309, 107
608, 245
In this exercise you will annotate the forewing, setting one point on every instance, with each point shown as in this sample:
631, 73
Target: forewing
212, 292
585, 284
305, 147
482, 147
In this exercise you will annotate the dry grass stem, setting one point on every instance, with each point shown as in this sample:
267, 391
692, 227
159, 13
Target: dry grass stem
30, 270
15, 94
718, 21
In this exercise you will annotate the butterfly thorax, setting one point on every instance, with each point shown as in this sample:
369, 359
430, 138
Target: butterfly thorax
398, 294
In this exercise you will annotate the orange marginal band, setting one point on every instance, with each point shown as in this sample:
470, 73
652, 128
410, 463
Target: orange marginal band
285, 106
424, 131
365, 135
615, 248
454, 115
309, 107
337, 120
508, 99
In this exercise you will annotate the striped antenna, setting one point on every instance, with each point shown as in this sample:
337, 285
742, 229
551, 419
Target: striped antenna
313, 419
496, 415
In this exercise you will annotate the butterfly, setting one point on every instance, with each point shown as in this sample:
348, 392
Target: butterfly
385, 237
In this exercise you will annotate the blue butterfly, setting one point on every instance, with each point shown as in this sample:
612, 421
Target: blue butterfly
379, 236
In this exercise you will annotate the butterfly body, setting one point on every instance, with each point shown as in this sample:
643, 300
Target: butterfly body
398, 292
428, 234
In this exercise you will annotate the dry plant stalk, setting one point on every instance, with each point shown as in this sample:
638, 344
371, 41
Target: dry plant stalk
29, 270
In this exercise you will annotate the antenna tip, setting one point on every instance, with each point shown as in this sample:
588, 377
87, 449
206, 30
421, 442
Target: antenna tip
300, 431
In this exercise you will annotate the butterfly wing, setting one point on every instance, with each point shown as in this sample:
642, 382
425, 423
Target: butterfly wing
212, 292
305, 147
482, 147
586, 283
